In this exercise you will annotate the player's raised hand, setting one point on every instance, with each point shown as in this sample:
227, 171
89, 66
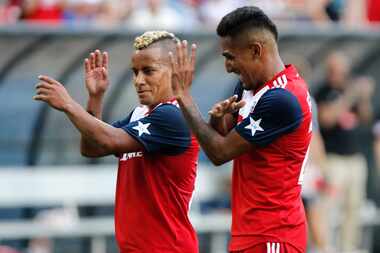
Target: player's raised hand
96, 73
183, 67
52, 92
226, 106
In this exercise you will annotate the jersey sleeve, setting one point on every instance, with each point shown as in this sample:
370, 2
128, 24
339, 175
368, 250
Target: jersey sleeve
278, 112
123, 122
164, 130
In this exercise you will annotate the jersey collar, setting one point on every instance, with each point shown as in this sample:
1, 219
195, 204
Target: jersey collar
171, 101
280, 79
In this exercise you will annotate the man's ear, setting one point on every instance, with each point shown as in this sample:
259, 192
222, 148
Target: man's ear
256, 49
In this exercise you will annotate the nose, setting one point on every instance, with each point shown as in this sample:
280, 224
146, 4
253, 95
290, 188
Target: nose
139, 79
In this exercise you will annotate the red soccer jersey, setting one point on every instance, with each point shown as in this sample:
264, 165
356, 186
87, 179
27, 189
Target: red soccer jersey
154, 187
266, 187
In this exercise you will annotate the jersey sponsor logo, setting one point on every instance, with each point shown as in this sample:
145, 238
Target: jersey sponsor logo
142, 128
131, 155
273, 247
254, 126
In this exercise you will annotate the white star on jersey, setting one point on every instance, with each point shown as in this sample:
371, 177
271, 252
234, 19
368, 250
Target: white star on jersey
254, 126
142, 128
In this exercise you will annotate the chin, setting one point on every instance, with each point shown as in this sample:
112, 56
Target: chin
144, 101
245, 85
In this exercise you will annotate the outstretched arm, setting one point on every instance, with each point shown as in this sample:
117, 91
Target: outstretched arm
218, 148
109, 139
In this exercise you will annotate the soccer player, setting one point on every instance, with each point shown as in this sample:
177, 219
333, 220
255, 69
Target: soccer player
265, 128
157, 153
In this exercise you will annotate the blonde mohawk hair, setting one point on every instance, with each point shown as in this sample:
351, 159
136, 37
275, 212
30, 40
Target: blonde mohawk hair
150, 37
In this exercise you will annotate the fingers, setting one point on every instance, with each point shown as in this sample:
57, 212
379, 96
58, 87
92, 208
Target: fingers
193, 56
87, 65
43, 85
105, 60
237, 106
43, 91
47, 79
184, 51
216, 110
92, 60
40, 97
172, 61
98, 58
227, 103
179, 54
105, 73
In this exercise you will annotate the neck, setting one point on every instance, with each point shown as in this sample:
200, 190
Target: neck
275, 65
163, 100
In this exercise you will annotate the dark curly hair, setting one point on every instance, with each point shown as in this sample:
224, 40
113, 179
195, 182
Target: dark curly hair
245, 18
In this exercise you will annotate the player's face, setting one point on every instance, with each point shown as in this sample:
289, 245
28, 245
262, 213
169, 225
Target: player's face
239, 60
151, 76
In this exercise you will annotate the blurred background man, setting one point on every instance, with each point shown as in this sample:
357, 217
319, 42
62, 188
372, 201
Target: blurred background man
344, 104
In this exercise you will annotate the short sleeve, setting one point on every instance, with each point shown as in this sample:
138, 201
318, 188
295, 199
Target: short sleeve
123, 122
278, 112
164, 130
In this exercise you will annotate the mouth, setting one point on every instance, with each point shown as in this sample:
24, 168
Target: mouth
142, 92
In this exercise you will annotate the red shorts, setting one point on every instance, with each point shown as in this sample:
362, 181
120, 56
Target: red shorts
270, 247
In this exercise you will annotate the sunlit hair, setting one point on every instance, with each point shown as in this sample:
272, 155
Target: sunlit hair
150, 37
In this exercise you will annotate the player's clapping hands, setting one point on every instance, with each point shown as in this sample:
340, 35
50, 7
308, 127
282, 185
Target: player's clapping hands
52, 92
183, 68
229, 105
96, 73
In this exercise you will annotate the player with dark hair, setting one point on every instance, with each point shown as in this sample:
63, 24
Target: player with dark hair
157, 153
265, 128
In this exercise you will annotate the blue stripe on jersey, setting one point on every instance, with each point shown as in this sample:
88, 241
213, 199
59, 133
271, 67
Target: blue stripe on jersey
164, 130
278, 112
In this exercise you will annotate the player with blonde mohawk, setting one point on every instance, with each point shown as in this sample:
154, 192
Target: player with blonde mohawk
157, 153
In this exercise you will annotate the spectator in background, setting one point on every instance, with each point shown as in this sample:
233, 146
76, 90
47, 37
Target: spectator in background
114, 12
43, 11
373, 11
9, 12
212, 11
158, 14
82, 10
344, 106
349, 12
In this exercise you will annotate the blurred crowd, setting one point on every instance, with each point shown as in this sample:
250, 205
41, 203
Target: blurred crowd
182, 14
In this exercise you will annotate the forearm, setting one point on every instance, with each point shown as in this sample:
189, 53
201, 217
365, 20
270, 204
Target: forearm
90, 148
95, 106
218, 124
222, 125
95, 134
208, 138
